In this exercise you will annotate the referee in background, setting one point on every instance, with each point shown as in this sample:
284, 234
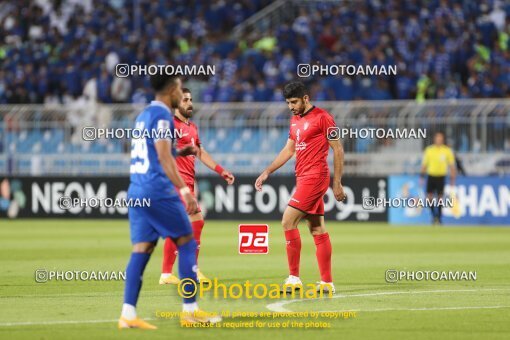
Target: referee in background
437, 159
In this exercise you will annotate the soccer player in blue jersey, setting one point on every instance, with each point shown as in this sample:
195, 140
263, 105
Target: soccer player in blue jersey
154, 176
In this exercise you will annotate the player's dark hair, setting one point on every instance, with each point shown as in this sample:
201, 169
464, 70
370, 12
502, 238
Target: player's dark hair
160, 81
186, 90
295, 89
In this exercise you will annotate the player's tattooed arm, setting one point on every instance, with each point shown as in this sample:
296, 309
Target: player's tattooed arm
338, 168
282, 158
167, 161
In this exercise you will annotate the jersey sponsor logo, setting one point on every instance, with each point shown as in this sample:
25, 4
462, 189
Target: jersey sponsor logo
299, 145
253, 239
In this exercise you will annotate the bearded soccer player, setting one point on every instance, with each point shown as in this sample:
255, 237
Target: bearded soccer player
312, 132
189, 147
154, 175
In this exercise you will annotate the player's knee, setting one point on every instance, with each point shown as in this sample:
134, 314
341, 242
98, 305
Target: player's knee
317, 230
196, 217
288, 224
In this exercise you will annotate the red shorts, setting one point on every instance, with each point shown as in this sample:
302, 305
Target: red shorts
191, 187
309, 195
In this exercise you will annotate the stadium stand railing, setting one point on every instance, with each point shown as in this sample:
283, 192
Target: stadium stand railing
245, 137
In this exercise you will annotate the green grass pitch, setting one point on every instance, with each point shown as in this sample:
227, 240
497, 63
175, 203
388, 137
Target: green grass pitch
361, 255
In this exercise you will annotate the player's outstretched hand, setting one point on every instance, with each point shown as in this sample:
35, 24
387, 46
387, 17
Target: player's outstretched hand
262, 178
227, 175
191, 203
338, 191
188, 150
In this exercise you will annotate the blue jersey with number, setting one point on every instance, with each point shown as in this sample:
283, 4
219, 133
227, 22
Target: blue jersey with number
148, 180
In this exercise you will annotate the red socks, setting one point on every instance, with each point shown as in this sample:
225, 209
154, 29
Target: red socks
197, 232
169, 255
293, 250
323, 253
170, 249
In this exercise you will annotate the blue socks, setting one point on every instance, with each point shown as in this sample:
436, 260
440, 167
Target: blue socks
136, 267
134, 272
187, 268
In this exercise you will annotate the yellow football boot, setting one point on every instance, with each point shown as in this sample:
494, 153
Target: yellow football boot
199, 316
135, 323
171, 280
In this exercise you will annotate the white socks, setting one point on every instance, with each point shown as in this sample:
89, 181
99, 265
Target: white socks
128, 312
166, 275
189, 307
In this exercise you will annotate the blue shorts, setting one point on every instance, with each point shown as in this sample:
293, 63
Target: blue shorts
164, 218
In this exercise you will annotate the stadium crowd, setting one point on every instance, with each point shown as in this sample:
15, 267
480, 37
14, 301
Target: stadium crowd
65, 51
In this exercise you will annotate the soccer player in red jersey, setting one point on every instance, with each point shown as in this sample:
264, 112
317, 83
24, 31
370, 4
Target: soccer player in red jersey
312, 132
189, 147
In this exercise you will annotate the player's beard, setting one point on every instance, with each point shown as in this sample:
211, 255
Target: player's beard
299, 111
186, 113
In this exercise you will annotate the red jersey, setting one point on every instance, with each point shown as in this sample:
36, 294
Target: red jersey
186, 164
310, 131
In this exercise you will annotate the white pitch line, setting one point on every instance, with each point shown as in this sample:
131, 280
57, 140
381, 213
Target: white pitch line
417, 309
279, 306
59, 322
